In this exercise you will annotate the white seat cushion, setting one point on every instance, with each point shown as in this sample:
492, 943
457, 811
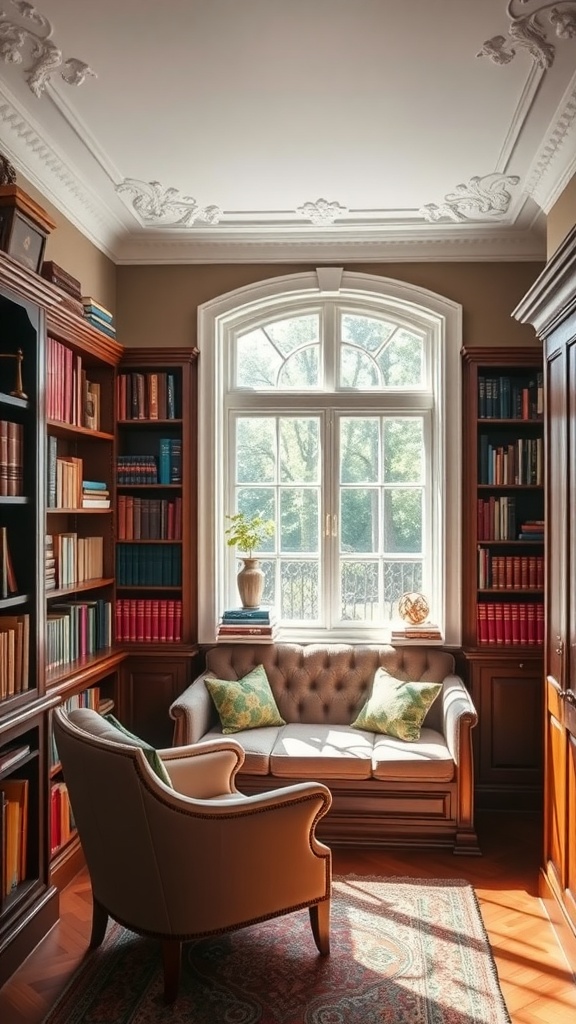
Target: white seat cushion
257, 744
427, 758
322, 751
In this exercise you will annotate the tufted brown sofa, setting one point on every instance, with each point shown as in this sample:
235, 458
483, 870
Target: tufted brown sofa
384, 791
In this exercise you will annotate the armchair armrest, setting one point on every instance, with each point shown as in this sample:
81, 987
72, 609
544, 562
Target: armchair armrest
206, 770
459, 715
192, 712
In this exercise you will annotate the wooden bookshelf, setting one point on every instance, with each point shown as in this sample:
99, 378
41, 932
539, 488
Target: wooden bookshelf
38, 401
156, 561
503, 558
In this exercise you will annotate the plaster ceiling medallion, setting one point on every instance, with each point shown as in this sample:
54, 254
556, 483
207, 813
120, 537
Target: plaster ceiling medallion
155, 204
45, 55
527, 30
482, 198
321, 212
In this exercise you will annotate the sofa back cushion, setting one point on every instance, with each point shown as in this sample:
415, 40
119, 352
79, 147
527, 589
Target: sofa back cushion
329, 683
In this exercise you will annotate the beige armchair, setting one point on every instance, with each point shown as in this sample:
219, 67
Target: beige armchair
196, 860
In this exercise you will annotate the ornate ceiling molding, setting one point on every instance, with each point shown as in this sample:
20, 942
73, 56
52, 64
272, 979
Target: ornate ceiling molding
155, 204
528, 31
45, 55
482, 198
321, 212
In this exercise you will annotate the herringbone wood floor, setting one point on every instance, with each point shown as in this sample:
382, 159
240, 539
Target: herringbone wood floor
537, 984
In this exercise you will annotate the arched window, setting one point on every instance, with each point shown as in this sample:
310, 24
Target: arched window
330, 403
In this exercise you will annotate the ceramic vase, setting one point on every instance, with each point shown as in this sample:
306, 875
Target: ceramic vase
250, 581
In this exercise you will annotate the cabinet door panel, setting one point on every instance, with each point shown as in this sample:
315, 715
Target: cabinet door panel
150, 687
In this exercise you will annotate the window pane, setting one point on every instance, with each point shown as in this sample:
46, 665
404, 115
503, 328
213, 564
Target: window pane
359, 519
402, 360
299, 589
299, 519
258, 501
263, 354
400, 578
359, 447
299, 450
255, 450
403, 520
379, 354
403, 450
359, 583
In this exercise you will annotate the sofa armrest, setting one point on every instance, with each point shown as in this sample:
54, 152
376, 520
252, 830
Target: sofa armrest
206, 770
459, 715
192, 712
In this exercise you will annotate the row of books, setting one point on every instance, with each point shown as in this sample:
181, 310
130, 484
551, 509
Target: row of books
14, 654
142, 620
11, 458
157, 565
518, 463
65, 483
496, 518
8, 583
510, 622
164, 468
77, 628
147, 396
62, 825
71, 559
248, 625
506, 398
149, 518
70, 396
510, 572
13, 834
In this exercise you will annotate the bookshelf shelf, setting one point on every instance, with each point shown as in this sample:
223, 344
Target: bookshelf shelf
503, 625
60, 429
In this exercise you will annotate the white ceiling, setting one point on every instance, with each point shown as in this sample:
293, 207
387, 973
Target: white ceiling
222, 130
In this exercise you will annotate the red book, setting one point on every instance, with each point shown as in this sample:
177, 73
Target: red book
178, 620
125, 619
158, 612
523, 623
147, 619
531, 623
499, 623
540, 623
119, 636
169, 621
515, 623
140, 620
507, 623
54, 817
132, 632
491, 617
482, 624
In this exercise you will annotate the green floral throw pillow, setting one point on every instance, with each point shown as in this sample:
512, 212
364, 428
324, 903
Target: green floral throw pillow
246, 703
395, 707
154, 760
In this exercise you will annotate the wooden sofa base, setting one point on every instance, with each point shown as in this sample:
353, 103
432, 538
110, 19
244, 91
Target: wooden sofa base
365, 813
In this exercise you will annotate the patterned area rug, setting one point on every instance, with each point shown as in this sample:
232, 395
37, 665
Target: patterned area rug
403, 951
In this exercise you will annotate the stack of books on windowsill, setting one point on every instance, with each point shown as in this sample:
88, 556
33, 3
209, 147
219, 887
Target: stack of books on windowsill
248, 626
407, 631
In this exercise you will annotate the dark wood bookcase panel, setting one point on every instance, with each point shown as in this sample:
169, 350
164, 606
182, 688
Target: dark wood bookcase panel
503, 564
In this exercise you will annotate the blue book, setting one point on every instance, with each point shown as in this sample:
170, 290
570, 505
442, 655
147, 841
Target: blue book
164, 460
254, 614
94, 485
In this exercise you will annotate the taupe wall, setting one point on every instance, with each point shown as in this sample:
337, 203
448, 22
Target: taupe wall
72, 251
561, 218
157, 305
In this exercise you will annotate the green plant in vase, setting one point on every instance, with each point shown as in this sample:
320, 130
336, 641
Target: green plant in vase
247, 534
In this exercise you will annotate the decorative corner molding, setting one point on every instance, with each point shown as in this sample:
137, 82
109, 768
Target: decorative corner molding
46, 56
155, 204
321, 212
485, 197
526, 31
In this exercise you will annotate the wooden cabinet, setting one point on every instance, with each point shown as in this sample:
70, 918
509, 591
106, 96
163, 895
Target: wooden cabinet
503, 566
550, 306
149, 686
507, 693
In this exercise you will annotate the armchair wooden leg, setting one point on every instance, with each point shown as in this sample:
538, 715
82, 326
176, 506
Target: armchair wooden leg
99, 923
172, 959
320, 922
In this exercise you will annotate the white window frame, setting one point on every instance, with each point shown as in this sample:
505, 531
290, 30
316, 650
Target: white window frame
219, 317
